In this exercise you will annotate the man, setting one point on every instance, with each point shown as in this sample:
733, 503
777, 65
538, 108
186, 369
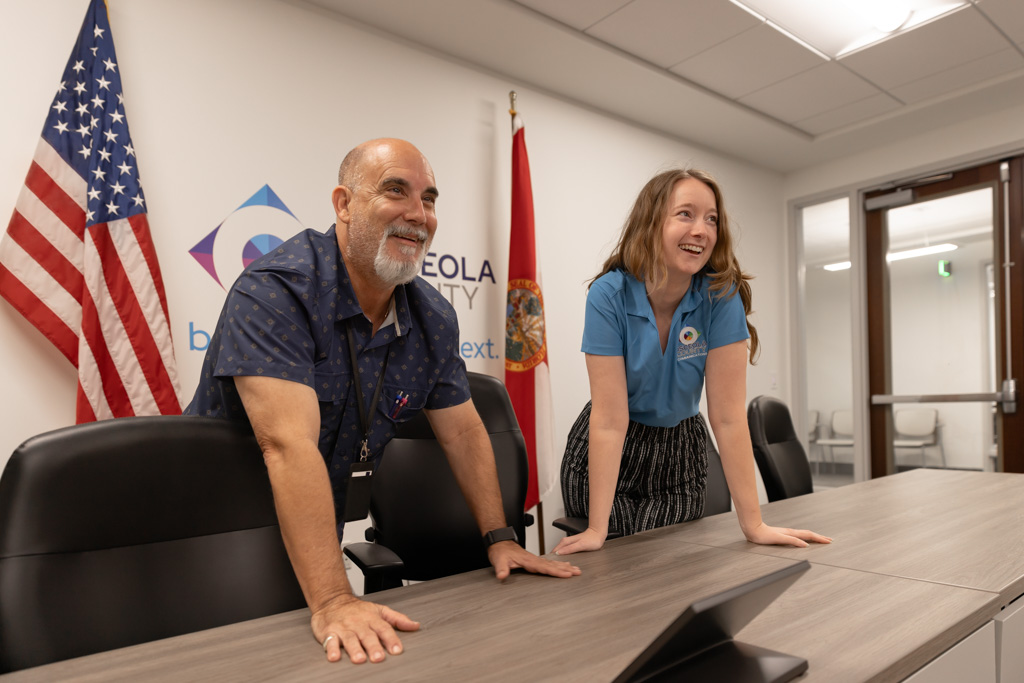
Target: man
282, 357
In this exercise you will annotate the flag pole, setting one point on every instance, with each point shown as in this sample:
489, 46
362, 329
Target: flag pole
541, 546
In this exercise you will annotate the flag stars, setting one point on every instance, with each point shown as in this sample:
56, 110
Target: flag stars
97, 102
89, 215
112, 208
61, 107
103, 83
117, 188
61, 127
82, 109
117, 116
98, 32
99, 173
94, 194
79, 88
63, 86
129, 150
105, 155
125, 168
111, 135
109, 63
83, 130
138, 200
94, 123
93, 50
79, 66
85, 151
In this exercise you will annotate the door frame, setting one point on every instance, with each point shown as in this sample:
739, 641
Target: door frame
1010, 427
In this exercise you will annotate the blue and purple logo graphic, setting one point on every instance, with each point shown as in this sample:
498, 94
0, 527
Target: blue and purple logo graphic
250, 231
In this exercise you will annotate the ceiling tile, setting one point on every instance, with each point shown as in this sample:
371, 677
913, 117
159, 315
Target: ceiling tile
580, 14
943, 44
809, 93
748, 62
1008, 15
848, 114
960, 77
665, 32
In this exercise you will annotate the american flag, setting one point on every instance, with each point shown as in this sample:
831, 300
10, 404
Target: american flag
77, 259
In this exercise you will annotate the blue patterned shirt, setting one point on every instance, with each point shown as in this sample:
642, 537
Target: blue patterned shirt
286, 317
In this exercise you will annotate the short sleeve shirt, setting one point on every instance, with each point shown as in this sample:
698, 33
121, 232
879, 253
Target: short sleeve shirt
287, 316
662, 388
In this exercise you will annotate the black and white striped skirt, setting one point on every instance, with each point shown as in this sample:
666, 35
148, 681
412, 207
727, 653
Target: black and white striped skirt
662, 475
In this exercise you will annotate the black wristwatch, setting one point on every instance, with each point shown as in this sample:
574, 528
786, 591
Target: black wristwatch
499, 535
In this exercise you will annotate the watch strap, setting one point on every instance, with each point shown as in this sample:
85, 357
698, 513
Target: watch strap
498, 535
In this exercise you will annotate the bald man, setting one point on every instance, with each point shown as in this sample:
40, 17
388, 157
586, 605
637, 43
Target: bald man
282, 358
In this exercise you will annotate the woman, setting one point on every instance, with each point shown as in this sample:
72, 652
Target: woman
663, 317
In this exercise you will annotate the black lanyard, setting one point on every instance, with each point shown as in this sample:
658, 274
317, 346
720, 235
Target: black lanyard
364, 449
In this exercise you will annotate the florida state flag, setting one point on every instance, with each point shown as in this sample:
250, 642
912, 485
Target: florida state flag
526, 351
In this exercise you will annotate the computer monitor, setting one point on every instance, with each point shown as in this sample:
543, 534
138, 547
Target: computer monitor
699, 645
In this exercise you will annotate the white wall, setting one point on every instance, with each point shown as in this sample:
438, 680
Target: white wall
224, 97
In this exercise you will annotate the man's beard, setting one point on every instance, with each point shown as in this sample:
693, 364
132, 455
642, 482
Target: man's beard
392, 271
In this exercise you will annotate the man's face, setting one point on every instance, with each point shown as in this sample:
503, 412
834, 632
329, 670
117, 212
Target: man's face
391, 213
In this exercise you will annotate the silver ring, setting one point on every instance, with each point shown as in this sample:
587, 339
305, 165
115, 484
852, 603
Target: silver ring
327, 640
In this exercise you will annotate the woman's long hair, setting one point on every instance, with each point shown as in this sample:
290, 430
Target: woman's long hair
639, 253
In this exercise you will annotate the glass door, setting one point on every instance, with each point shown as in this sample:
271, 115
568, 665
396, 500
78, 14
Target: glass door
940, 323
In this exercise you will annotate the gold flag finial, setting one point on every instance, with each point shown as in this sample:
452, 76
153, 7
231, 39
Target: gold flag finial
512, 102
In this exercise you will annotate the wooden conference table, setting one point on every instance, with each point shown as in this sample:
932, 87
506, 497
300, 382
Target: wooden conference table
920, 561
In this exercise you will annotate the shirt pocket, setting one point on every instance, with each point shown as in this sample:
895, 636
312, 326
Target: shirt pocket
331, 387
399, 404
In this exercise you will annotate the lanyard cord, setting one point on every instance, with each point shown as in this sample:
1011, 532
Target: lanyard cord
364, 449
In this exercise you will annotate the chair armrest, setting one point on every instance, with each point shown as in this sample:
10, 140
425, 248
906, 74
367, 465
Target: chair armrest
372, 558
575, 525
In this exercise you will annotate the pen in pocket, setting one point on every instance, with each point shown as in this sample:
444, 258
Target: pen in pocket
400, 400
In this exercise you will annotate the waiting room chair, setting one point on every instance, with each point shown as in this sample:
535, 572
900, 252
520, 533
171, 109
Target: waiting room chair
422, 527
840, 433
918, 428
129, 530
716, 496
780, 456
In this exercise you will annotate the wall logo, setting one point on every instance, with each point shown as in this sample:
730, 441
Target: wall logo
250, 231
525, 341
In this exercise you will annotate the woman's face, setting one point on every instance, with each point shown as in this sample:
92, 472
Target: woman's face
690, 229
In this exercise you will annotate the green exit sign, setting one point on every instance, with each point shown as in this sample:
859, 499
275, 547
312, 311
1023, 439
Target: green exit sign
945, 268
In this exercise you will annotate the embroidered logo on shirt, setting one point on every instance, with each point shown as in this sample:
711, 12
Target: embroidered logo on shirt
689, 346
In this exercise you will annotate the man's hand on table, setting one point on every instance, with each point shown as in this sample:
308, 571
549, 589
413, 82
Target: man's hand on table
363, 629
508, 555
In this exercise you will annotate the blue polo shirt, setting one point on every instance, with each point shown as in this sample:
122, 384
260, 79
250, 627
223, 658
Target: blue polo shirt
663, 388
286, 317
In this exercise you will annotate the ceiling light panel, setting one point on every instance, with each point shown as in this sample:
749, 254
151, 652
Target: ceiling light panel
838, 27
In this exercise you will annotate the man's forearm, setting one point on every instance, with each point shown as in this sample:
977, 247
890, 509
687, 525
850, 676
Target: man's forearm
305, 511
472, 461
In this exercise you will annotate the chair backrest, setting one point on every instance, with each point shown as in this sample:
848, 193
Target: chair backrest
780, 456
416, 506
916, 422
129, 530
842, 423
716, 493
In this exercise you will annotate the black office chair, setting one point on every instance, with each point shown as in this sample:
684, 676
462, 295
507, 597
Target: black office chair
781, 459
716, 496
129, 530
422, 527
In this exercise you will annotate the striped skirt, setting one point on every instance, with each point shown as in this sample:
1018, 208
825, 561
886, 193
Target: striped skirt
662, 475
